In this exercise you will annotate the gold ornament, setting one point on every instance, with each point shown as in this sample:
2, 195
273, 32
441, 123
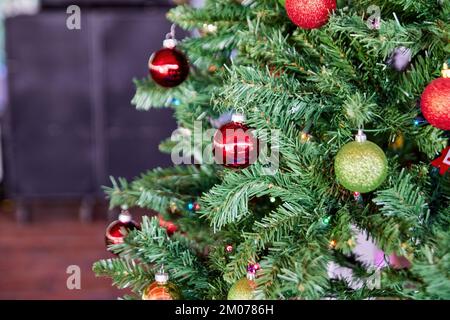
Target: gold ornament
243, 289
398, 143
161, 288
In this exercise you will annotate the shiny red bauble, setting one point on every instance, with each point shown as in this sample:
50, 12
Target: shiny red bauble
435, 103
168, 67
170, 227
310, 14
235, 146
119, 229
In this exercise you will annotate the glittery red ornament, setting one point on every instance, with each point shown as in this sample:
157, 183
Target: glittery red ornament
168, 67
118, 230
235, 146
435, 103
170, 227
309, 14
442, 162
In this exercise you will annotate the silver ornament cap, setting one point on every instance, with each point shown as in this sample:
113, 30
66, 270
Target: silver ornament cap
162, 278
170, 43
238, 117
125, 216
361, 136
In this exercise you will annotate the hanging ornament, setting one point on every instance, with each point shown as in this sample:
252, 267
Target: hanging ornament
393, 260
168, 66
119, 229
310, 14
235, 146
170, 227
244, 289
435, 101
398, 142
442, 162
400, 59
229, 248
161, 288
360, 165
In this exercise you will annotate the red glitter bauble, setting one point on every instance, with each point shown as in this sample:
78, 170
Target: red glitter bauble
170, 227
309, 14
235, 146
168, 67
435, 103
119, 229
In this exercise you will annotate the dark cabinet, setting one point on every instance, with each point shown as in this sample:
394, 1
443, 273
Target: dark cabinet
70, 123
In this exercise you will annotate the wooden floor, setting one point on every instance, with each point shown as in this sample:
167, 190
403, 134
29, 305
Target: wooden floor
35, 257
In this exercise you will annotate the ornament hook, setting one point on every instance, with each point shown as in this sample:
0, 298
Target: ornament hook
361, 136
170, 42
171, 34
161, 277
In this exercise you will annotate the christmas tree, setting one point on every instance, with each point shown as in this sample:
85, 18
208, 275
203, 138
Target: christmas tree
348, 105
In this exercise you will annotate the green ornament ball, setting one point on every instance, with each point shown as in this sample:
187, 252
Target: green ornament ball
361, 166
243, 289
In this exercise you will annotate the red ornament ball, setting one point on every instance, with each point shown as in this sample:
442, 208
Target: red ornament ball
235, 146
168, 67
170, 227
435, 103
119, 229
309, 14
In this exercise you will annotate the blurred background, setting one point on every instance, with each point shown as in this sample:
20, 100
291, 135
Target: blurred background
66, 126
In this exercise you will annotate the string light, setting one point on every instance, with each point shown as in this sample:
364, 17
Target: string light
357, 196
305, 136
193, 206
333, 244
419, 121
176, 102
253, 267
326, 220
